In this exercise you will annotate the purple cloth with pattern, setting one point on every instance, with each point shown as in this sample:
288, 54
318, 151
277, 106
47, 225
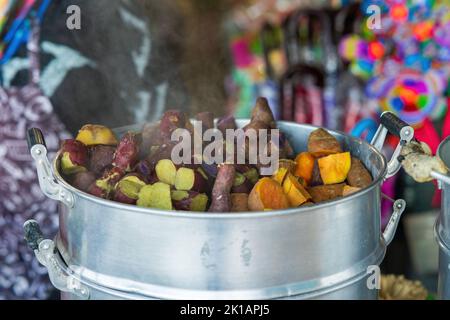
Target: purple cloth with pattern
21, 275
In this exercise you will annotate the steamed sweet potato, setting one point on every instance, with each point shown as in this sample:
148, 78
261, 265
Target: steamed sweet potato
241, 184
104, 186
322, 143
304, 166
144, 168
150, 137
239, 202
170, 121
316, 179
250, 172
349, 190
256, 125
127, 189
190, 179
156, 195
93, 134
225, 123
83, 180
326, 192
74, 157
101, 156
335, 167
267, 194
163, 151
286, 150
280, 175
221, 200
127, 152
189, 200
166, 171
294, 191
289, 164
261, 112
358, 176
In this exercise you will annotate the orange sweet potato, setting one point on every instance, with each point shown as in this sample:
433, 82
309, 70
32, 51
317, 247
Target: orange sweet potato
280, 174
349, 190
294, 191
322, 143
289, 164
316, 179
326, 192
358, 176
239, 202
304, 166
267, 194
335, 167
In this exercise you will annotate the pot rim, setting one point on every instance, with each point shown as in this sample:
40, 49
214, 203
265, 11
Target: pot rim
440, 147
232, 215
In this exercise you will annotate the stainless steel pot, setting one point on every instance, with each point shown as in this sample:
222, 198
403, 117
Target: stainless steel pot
110, 250
442, 227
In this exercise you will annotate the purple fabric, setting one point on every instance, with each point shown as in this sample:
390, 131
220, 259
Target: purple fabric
21, 276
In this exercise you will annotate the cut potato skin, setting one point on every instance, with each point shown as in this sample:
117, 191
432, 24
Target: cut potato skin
322, 143
326, 192
316, 179
348, 190
295, 192
239, 202
358, 176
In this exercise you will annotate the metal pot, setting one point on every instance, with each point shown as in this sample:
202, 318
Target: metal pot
110, 250
442, 226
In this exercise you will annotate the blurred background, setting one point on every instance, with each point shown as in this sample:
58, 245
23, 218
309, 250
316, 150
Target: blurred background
331, 63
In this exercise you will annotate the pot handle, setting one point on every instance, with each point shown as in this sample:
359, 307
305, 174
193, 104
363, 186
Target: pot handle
389, 232
45, 250
389, 122
47, 182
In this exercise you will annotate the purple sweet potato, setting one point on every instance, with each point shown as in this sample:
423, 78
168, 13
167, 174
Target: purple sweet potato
74, 157
127, 152
225, 123
145, 169
104, 186
127, 189
101, 156
261, 112
83, 180
170, 121
221, 201
189, 200
190, 179
241, 184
